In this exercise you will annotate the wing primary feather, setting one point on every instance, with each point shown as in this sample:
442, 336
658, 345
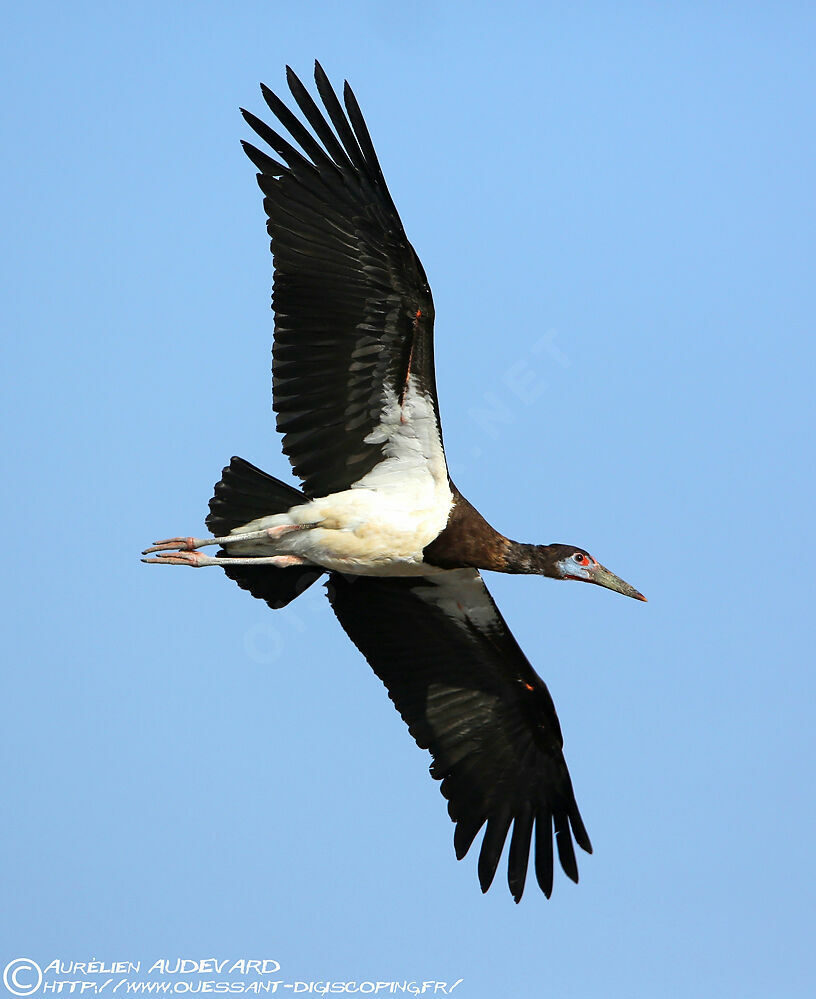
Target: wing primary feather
544, 852
263, 162
292, 157
315, 118
339, 120
578, 828
364, 140
566, 851
464, 834
492, 845
298, 130
520, 852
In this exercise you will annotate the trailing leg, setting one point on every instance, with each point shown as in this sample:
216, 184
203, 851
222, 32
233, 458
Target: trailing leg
196, 560
188, 544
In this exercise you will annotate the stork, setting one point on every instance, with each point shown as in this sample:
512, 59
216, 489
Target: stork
355, 396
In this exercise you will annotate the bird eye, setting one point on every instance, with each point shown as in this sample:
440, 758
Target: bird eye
579, 558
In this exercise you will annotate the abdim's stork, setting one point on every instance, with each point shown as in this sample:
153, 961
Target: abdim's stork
355, 398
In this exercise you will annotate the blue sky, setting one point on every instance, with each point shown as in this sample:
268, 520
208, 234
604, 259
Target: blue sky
614, 205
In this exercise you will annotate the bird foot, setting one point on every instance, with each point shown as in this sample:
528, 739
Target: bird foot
183, 544
191, 558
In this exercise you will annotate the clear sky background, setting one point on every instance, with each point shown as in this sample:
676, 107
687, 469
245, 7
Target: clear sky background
614, 204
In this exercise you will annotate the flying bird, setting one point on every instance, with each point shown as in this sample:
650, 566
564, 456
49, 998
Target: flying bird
355, 397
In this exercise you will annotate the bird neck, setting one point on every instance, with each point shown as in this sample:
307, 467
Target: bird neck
532, 559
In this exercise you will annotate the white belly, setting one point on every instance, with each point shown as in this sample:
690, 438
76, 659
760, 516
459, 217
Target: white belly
381, 525
362, 531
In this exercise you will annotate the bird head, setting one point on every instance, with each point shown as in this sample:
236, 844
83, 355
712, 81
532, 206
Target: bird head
574, 563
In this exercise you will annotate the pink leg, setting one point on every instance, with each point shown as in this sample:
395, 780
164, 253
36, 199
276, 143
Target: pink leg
197, 560
189, 544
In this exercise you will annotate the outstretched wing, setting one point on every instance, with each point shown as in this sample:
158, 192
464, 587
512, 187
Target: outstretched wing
353, 310
468, 694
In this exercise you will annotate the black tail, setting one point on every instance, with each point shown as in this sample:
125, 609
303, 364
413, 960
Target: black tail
246, 493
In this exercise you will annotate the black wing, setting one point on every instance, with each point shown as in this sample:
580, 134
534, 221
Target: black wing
468, 694
353, 310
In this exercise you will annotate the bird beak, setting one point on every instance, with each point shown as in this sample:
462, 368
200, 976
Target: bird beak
603, 577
